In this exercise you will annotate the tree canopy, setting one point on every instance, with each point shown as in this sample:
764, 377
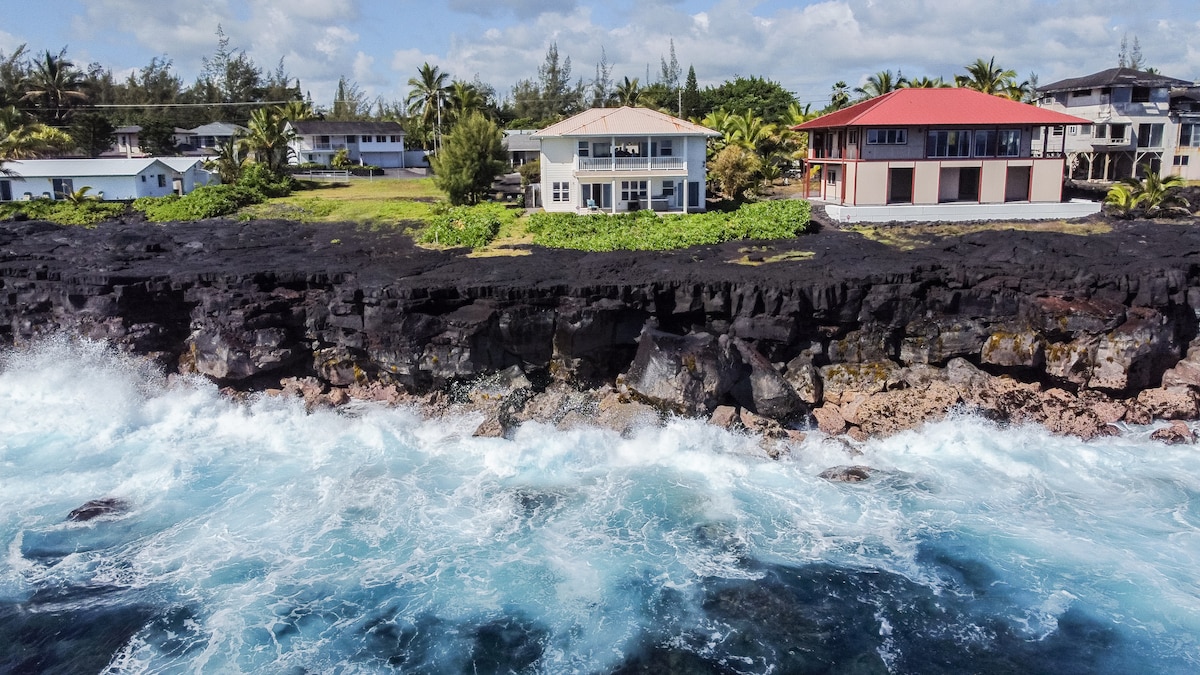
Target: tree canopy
470, 159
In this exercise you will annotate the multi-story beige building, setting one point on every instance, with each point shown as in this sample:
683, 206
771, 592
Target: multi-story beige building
1131, 126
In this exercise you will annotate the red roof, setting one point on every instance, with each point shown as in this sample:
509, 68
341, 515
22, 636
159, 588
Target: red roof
939, 106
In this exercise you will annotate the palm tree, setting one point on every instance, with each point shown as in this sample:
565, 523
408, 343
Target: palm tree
229, 160
55, 85
748, 130
297, 111
925, 82
628, 92
429, 91
987, 77
465, 98
839, 96
881, 83
22, 138
1152, 195
267, 138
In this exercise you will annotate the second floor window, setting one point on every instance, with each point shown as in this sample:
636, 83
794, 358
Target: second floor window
1150, 135
948, 143
584, 148
1189, 135
887, 136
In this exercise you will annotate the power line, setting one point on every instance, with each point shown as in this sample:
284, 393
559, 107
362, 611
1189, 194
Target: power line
182, 105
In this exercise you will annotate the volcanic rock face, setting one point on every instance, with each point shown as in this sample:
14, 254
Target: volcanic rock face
1072, 332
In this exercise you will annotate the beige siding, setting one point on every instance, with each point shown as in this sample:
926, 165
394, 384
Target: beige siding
1047, 180
926, 176
872, 183
991, 182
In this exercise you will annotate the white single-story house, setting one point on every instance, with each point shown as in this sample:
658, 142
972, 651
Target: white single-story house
109, 179
190, 173
623, 159
376, 143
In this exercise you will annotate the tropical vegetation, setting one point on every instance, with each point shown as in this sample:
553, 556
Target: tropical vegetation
1150, 196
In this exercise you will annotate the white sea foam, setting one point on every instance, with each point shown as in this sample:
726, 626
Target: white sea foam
292, 539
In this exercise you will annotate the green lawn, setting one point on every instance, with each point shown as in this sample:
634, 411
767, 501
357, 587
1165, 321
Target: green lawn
378, 202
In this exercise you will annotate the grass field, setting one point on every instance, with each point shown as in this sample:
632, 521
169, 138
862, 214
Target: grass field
378, 202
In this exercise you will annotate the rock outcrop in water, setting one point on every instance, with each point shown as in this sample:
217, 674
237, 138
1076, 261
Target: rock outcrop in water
1072, 332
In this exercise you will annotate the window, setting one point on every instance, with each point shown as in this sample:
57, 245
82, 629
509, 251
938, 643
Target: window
1009, 143
887, 136
1085, 129
62, 187
985, 143
665, 148
560, 192
1150, 135
1140, 95
632, 190
323, 139
1080, 93
162, 180
583, 148
1189, 135
948, 144
381, 139
668, 188
831, 176
5, 191
1180, 160
1116, 132
1100, 131
396, 139
143, 179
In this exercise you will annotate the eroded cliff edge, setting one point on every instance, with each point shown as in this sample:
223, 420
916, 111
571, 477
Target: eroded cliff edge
1071, 331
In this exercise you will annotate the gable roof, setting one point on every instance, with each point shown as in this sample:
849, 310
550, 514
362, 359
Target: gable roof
521, 143
942, 106
217, 129
67, 168
1114, 77
181, 164
325, 128
624, 121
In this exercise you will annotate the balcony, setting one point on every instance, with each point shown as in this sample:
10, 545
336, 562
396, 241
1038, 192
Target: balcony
328, 146
1111, 142
631, 164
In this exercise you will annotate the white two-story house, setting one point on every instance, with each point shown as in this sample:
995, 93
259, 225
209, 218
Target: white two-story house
623, 159
1131, 123
376, 143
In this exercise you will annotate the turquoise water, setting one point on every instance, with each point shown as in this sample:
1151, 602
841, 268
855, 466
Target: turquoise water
260, 538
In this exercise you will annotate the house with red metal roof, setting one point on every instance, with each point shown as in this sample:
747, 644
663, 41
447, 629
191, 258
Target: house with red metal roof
939, 154
623, 159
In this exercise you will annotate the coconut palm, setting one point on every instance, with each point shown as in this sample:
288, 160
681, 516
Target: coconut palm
54, 86
297, 111
839, 96
748, 131
229, 160
925, 82
267, 138
23, 138
429, 92
628, 92
987, 77
465, 98
881, 83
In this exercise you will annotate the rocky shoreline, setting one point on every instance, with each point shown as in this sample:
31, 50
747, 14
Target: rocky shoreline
840, 333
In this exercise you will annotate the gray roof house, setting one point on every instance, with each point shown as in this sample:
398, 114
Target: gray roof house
377, 143
109, 179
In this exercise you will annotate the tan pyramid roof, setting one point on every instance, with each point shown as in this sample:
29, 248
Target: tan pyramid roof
624, 121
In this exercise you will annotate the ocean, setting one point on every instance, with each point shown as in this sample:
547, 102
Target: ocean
256, 537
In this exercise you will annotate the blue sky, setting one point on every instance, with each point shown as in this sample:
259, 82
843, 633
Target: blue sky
806, 46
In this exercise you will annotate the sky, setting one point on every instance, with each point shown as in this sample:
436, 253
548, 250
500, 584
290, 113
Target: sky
805, 46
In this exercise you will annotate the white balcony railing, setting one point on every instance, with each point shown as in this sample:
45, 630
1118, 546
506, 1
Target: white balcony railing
631, 163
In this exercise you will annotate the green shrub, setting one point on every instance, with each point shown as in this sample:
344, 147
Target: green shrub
258, 177
473, 226
209, 201
87, 212
647, 231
